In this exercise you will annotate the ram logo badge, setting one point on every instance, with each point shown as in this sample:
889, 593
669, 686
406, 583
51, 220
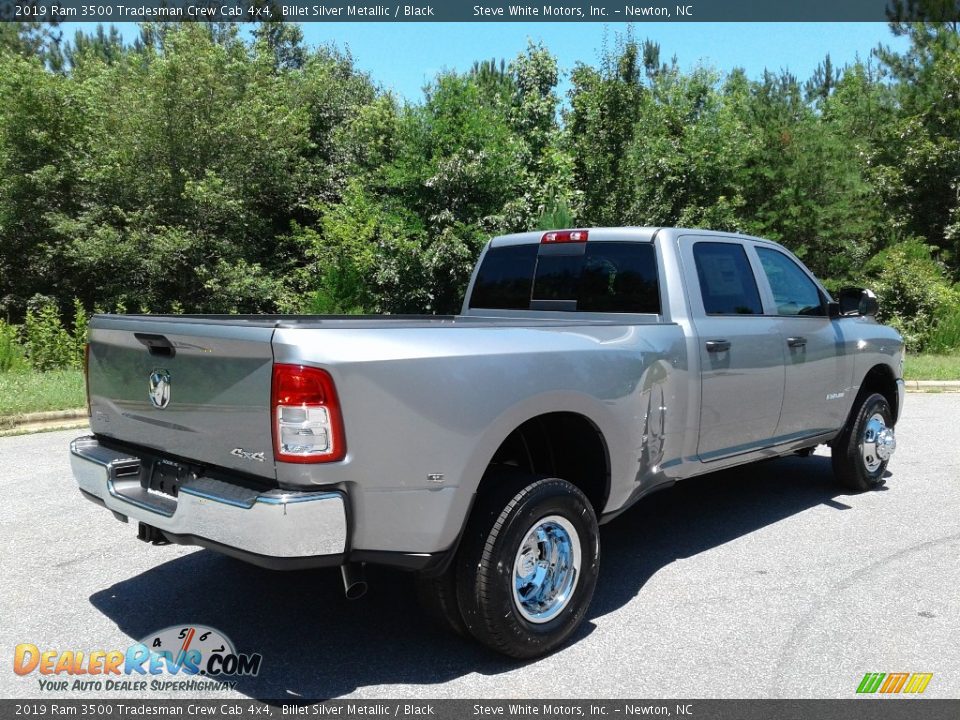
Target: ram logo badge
160, 388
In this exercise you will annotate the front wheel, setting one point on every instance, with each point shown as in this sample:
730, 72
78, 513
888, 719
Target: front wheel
863, 449
528, 568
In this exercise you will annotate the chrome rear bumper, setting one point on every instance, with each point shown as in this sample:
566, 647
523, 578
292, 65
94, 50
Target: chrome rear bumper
274, 524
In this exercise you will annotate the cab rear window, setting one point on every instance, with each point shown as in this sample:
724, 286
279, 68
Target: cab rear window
614, 277
505, 277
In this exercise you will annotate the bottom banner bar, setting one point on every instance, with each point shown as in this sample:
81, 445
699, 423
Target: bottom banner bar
902, 708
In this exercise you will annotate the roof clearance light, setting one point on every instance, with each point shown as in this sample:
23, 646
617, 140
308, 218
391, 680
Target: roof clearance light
564, 236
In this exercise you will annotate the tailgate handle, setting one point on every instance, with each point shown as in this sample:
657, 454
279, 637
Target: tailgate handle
156, 344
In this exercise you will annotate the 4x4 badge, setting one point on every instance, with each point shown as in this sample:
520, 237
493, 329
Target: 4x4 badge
160, 388
247, 455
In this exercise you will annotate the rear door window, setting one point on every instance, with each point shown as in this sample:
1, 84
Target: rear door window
613, 277
727, 284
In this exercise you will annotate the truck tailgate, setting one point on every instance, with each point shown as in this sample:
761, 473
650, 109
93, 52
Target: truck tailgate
200, 391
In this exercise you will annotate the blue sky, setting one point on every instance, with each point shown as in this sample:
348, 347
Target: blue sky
403, 56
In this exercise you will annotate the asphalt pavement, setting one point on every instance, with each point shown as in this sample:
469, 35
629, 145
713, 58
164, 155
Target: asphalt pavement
760, 582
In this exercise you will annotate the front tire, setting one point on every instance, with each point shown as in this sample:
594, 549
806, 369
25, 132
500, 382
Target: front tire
861, 453
528, 567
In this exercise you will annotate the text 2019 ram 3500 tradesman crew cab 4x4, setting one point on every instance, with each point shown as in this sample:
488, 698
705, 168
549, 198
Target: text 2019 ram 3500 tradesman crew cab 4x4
587, 368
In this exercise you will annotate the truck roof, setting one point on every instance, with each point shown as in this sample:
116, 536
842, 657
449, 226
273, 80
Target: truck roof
621, 234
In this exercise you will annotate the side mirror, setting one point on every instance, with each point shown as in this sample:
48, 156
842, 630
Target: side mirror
853, 301
868, 304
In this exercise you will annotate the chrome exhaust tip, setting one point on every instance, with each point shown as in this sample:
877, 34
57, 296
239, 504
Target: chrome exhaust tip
354, 580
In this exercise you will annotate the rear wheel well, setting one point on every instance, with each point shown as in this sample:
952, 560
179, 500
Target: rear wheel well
563, 445
880, 379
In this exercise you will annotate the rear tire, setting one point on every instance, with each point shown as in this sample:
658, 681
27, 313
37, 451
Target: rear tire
528, 565
861, 452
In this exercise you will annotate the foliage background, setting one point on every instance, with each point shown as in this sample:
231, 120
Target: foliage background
201, 170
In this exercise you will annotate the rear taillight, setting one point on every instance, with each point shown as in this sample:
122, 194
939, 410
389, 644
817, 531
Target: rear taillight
307, 425
86, 375
564, 236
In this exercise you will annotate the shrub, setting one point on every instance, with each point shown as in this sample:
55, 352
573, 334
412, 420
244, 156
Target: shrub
913, 291
945, 337
80, 322
48, 344
11, 352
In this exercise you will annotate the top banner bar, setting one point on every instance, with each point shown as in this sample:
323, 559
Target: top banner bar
604, 11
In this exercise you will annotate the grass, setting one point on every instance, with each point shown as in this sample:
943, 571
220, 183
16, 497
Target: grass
932, 367
27, 392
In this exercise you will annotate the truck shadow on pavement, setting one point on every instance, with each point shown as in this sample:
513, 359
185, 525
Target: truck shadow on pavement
316, 644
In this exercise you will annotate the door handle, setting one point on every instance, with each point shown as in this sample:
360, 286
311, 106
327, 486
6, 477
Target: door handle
796, 341
718, 345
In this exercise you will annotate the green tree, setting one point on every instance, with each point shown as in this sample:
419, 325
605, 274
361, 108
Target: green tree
923, 156
285, 41
106, 46
195, 156
39, 125
39, 40
604, 104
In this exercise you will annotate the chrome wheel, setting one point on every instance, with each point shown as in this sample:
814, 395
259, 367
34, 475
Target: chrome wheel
878, 443
860, 452
546, 569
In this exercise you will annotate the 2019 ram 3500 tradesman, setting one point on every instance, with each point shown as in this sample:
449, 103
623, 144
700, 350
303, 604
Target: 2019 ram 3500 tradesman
587, 368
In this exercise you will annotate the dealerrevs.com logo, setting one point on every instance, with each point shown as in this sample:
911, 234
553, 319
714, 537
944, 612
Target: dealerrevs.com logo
894, 683
154, 663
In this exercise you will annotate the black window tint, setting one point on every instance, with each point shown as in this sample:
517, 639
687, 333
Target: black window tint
607, 277
505, 278
726, 279
558, 277
619, 277
793, 291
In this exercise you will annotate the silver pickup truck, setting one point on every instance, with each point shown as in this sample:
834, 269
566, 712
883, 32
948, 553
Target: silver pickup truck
587, 369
